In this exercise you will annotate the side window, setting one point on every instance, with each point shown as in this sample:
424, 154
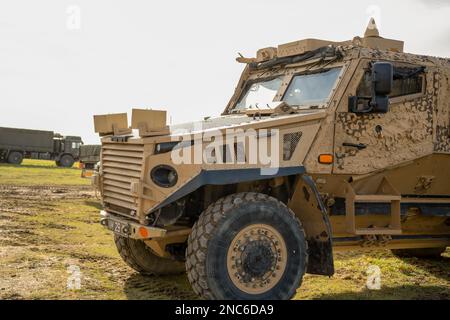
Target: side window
407, 81
76, 145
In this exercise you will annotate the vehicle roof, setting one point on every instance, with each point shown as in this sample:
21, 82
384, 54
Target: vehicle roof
371, 41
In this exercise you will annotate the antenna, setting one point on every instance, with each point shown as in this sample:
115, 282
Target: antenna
372, 29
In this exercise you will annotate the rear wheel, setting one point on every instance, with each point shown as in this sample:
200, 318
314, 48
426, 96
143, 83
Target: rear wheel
15, 157
141, 258
66, 161
420, 252
247, 246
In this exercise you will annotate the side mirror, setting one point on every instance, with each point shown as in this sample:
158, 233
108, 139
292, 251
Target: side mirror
382, 85
381, 104
383, 78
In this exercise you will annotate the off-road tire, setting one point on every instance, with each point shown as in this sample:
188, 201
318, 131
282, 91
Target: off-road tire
141, 258
213, 234
66, 161
15, 157
419, 253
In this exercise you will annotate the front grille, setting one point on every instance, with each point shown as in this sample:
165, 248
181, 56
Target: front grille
121, 165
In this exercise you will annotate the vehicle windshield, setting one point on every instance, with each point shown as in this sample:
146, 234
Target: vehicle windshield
306, 90
259, 94
311, 89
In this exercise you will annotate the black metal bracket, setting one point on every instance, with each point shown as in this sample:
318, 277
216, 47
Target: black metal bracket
359, 146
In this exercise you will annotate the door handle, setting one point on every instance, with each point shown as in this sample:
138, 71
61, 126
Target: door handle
359, 146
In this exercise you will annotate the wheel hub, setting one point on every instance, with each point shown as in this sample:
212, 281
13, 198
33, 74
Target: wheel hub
256, 258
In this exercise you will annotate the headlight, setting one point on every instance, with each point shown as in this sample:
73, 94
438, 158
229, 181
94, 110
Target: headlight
164, 176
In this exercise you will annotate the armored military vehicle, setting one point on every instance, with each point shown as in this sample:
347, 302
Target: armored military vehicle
17, 144
362, 136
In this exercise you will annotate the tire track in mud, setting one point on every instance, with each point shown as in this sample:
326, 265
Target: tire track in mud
33, 259
17, 201
45, 192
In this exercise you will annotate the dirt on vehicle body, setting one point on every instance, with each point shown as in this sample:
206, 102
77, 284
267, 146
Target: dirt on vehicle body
360, 132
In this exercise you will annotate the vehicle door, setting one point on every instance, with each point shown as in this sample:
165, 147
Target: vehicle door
368, 142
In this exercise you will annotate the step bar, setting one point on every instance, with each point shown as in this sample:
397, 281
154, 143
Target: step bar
385, 194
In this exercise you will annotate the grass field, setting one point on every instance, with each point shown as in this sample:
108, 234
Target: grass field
40, 172
49, 222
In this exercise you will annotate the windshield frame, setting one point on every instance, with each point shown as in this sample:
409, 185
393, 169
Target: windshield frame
287, 73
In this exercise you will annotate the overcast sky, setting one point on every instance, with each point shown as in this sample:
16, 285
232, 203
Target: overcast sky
57, 69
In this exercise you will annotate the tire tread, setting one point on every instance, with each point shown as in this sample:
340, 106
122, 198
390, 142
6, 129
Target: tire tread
154, 265
204, 229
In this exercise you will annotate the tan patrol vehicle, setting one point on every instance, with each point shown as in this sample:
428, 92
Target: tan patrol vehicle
362, 139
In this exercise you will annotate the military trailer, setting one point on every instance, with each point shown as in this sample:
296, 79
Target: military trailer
89, 157
17, 144
363, 137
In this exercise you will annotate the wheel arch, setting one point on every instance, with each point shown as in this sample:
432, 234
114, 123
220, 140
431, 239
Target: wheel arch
304, 199
226, 177
309, 207
9, 151
210, 186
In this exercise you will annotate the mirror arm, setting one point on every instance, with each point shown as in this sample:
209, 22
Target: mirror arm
367, 110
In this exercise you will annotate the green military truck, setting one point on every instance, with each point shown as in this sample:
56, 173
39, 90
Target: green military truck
89, 157
17, 144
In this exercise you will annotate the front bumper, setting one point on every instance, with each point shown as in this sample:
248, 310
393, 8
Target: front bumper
129, 229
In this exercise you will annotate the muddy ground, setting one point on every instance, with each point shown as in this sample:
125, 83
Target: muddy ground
45, 232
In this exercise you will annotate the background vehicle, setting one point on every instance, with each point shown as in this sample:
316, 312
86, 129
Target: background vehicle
89, 157
364, 136
17, 144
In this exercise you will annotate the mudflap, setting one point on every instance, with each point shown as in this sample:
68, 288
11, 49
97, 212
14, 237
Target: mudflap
320, 260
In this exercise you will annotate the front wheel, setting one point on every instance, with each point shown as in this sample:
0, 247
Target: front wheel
247, 246
66, 161
141, 258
